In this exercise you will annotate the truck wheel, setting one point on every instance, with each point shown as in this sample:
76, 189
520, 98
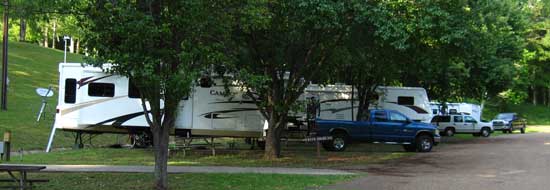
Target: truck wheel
424, 143
485, 132
409, 148
510, 130
449, 132
339, 142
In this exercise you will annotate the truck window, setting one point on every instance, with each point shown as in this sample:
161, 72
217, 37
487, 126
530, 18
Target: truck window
469, 119
396, 117
457, 118
405, 100
441, 119
380, 116
101, 89
70, 91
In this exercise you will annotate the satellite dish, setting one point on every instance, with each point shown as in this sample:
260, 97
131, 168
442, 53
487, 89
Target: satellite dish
44, 92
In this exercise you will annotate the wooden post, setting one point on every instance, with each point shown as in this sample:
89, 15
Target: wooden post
7, 144
318, 148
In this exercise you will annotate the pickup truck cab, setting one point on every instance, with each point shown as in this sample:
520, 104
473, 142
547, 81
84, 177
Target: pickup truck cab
508, 122
461, 123
379, 126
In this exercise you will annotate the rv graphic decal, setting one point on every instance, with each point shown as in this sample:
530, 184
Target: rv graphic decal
216, 114
86, 104
84, 81
415, 108
118, 121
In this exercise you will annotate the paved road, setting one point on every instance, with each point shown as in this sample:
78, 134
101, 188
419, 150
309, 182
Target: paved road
509, 162
192, 169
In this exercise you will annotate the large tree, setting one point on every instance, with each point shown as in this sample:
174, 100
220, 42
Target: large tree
281, 45
161, 46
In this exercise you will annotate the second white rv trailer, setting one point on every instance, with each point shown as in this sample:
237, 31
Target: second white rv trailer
453, 108
335, 101
97, 102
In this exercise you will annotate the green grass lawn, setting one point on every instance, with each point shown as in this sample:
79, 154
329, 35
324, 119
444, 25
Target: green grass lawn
128, 181
296, 156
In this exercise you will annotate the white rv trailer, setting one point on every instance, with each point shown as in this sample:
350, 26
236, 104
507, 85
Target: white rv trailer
453, 108
91, 101
335, 101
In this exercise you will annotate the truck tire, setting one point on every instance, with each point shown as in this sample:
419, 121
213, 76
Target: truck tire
424, 143
449, 132
485, 132
409, 148
339, 142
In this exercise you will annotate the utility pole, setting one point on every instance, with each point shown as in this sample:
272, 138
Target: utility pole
4, 98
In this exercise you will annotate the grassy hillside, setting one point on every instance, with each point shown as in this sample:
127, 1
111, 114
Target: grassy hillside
31, 66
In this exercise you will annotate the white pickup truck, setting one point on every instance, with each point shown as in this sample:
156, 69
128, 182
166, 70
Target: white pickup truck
459, 123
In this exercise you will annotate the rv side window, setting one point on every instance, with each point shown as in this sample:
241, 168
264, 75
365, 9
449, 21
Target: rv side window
101, 89
405, 100
70, 91
133, 91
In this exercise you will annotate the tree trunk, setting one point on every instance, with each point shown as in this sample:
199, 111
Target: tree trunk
22, 30
46, 37
160, 140
77, 49
273, 138
535, 95
54, 33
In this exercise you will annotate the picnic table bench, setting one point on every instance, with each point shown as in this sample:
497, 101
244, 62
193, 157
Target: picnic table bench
21, 181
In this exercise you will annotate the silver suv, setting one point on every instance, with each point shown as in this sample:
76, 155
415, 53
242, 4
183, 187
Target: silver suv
459, 123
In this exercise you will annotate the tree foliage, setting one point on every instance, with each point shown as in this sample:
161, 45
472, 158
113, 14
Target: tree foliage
161, 46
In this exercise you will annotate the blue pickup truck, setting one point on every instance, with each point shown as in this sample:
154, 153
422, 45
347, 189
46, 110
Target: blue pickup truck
379, 126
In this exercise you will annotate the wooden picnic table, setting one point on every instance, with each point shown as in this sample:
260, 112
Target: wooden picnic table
22, 181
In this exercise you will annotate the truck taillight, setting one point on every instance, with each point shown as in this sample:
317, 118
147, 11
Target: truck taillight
56, 110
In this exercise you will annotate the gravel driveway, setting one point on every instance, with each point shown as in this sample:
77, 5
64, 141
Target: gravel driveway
514, 162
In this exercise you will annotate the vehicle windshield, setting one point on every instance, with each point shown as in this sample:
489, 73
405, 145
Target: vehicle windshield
506, 116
